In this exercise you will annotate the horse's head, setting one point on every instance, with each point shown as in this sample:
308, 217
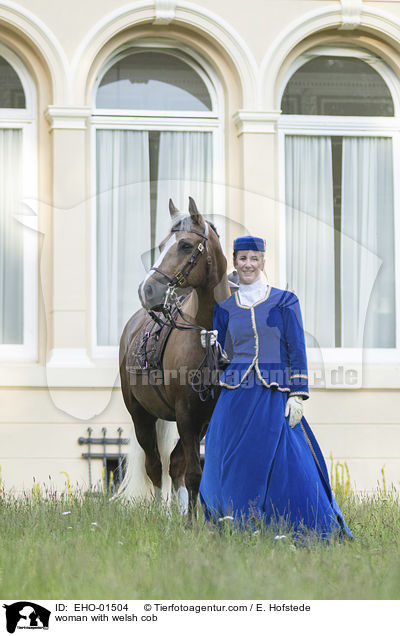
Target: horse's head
185, 259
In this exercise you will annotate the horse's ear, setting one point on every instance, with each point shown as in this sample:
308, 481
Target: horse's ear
172, 209
194, 213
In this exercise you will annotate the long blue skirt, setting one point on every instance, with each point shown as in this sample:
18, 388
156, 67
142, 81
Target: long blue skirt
256, 466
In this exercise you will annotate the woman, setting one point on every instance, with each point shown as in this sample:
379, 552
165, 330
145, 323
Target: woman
261, 458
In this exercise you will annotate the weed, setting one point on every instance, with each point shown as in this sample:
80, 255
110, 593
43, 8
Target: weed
114, 550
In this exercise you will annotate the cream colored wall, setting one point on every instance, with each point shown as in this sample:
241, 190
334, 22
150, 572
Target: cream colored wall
39, 440
71, 23
45, 408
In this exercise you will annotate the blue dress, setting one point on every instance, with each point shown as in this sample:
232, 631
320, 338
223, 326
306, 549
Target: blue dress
257, 466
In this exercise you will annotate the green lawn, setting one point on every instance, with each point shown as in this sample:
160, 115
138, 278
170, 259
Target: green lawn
140, 552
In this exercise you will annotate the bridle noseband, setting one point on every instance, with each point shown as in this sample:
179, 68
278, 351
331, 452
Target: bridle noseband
202, 382
180, 279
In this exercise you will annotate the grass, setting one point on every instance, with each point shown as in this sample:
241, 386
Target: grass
140, 552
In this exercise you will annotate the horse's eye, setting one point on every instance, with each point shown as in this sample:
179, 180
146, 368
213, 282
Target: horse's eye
184, 246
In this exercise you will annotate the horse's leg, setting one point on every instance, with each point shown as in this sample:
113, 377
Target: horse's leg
146, 435
177, 466
145, 429
189, 433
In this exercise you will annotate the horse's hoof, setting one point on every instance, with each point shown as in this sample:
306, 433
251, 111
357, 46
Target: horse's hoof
182, 498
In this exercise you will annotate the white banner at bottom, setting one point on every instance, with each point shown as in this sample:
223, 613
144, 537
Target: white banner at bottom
150, 617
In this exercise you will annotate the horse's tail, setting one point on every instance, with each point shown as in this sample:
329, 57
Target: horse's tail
136, 483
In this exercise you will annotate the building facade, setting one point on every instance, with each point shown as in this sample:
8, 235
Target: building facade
280, 118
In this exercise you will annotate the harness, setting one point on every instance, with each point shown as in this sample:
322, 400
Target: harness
203, 379
171, 301
181, 276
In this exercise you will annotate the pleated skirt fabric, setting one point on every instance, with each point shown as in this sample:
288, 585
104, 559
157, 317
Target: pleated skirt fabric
257, 467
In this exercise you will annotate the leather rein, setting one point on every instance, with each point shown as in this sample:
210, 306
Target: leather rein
202, 382
171, 300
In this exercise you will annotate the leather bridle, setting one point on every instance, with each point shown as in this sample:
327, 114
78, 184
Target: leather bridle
171, 300
180, 277
201, 381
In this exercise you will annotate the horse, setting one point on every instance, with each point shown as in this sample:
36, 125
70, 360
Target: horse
191, 260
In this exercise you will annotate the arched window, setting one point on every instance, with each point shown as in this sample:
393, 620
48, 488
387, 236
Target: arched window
157, 134
331, 85
12, 94
337, 131
18, 304
153, 81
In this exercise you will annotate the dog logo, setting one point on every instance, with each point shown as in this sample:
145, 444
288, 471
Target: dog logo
26, 615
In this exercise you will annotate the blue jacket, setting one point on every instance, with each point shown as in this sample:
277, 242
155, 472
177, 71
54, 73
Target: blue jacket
268, 337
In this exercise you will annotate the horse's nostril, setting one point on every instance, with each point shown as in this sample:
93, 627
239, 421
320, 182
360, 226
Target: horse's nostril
148, 290
151, 294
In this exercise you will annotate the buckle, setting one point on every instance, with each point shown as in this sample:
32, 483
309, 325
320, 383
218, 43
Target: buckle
180, 279
200, 247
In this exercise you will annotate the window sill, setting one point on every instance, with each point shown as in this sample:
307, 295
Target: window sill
74, 368
354, 368
65, 368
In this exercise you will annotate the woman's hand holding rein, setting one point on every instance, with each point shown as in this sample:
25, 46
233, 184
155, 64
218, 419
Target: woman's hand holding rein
211, 336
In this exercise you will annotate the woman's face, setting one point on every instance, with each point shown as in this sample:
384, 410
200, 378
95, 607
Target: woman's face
249, 265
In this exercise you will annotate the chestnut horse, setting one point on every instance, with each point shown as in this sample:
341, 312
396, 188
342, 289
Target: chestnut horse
191, 257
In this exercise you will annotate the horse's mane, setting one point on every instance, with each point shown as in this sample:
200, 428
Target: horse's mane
213, 227
185, 222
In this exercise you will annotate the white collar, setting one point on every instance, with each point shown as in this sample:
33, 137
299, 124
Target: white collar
253, 292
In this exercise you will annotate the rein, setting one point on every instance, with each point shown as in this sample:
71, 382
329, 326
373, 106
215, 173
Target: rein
180, 277
201, 384
171, 297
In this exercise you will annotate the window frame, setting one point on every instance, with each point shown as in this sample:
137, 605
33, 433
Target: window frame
25, 119
320, 125
177, 121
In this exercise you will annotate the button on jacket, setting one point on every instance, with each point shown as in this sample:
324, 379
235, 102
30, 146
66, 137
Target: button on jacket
267, 336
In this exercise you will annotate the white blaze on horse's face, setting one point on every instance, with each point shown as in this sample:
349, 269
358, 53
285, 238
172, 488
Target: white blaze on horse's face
157, 263
171, 241
142, 288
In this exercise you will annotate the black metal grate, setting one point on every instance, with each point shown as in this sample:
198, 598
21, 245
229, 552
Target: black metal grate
113, 462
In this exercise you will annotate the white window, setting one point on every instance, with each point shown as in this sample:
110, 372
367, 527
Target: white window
338, 140
18, 238
157, 133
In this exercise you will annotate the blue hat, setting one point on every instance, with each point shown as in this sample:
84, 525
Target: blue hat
254, 243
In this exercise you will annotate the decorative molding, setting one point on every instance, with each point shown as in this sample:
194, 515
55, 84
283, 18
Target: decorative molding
143, 11
164, 11
67, 117
381, 374
251, 121
147, 122
318, 20
34, 29
306, 125
351, 14
67, 358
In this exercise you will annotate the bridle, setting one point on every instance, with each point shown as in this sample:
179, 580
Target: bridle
171, 301
202, 382
180, 277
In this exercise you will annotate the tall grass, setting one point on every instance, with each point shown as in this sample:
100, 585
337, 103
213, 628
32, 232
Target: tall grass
84, 547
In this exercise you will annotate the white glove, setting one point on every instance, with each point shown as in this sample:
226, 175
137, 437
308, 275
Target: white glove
294, 408
212, 335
